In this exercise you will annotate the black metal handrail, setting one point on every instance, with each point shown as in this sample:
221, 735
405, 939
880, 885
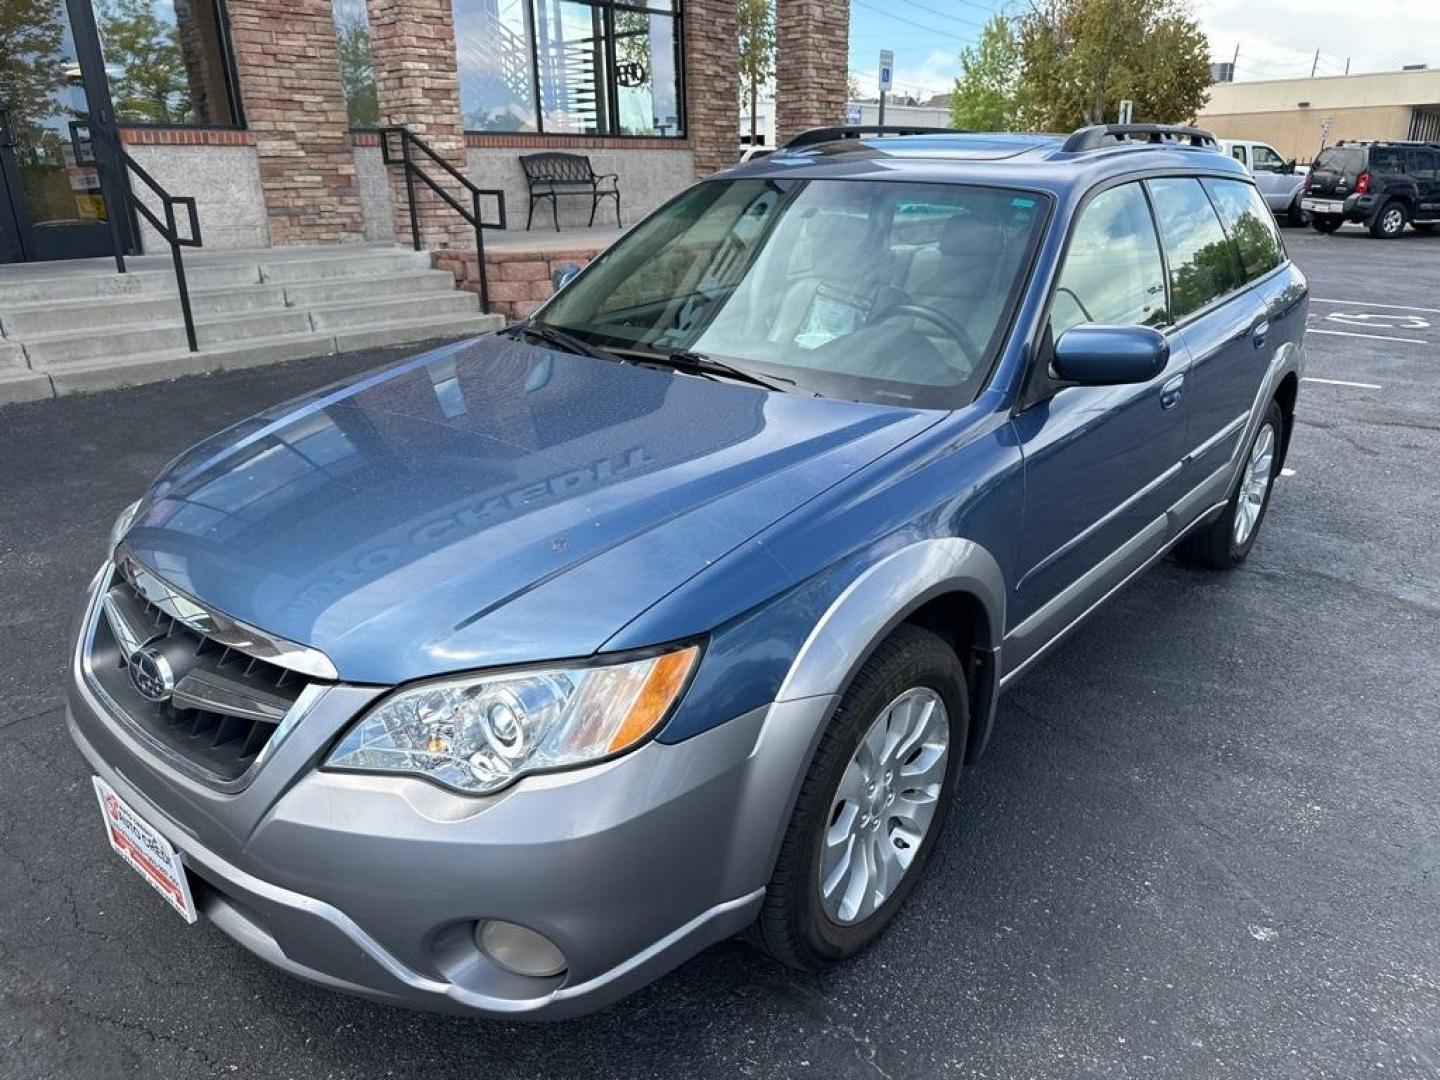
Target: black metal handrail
409, 143
168, 230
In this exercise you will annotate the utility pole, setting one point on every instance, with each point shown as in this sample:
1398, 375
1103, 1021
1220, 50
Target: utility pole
1316, 63
887, 74
1347, 65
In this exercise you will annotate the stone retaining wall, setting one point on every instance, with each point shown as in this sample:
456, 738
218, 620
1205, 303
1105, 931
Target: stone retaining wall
519, 280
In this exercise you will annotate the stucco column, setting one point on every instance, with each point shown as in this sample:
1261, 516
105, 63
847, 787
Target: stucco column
811, 65
417, 85
288, 64
712, 83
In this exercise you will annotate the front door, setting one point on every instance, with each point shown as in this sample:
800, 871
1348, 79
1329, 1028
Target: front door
53, 195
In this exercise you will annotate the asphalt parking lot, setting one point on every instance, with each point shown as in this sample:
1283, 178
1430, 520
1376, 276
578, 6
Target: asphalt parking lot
1205, 841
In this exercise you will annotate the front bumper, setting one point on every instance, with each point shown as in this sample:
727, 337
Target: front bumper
374, 884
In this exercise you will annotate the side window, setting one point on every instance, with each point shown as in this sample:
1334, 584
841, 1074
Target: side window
1422, 164
1238, 153
1112, 272
1250, 224
1267, 160
1201, 265
1386, 159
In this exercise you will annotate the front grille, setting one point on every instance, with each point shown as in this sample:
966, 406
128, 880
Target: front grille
223, 706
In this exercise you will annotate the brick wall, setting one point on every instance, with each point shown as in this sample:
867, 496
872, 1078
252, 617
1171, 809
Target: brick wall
811, 63
712, 83
417, 86
519, 280
289, 72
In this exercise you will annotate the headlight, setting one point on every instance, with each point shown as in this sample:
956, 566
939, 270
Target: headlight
479, 733
122, 526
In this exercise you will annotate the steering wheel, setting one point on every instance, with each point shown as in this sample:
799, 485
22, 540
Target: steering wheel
958, 333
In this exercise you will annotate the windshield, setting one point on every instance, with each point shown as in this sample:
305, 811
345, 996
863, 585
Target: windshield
866, 290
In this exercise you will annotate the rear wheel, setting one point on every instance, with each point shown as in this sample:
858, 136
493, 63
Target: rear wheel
1326, 223
872, 805
1226, 541
1390, 221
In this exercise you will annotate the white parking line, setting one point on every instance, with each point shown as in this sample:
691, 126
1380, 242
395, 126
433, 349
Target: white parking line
1372, 337
1364, 303
1342, 382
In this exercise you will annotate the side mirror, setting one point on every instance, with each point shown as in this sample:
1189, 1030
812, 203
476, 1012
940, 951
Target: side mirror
1092, 355
1288, 168
563, 275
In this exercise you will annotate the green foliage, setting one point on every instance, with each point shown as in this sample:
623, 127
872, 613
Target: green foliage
1066, 63
757, 51
357, 69
988, 94
148, 80
32, 66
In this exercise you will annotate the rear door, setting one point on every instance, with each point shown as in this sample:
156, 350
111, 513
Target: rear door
1220, 322
1101, 462
1425, 167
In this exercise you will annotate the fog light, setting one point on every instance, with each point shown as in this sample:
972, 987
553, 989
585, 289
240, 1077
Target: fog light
518, 949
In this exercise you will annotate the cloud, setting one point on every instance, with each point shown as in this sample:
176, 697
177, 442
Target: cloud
1278, 38
934, 74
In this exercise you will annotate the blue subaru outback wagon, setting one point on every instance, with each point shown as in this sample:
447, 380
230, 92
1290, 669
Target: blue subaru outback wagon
504, 679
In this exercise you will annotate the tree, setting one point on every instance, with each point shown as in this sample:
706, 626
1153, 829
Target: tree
151, 83
757, 52
32, 68
988, 94
1079, 58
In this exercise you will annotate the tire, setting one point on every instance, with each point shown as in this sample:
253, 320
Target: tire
1390, 221
1326, 223
1296, 216
1220, 545
795, 924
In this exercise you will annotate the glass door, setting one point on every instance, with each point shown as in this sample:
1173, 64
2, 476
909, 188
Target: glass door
53, 202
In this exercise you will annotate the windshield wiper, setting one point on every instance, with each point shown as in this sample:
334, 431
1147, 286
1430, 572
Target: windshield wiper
569, 342
699, 364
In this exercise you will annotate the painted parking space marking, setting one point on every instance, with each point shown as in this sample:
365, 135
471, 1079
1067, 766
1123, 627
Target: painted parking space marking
1381, 320
1368, 303
1372, 337
1343, 382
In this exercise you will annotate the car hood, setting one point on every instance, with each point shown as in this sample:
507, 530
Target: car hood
489, 503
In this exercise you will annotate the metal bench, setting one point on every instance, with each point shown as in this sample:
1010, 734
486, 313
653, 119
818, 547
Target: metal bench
551, 175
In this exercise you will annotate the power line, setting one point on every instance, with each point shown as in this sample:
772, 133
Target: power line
946, 14
912, 22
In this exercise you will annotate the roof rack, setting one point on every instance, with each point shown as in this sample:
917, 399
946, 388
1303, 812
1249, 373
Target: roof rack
1096, 136
814, 136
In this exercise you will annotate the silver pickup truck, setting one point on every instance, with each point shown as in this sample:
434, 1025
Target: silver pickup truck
1279, 180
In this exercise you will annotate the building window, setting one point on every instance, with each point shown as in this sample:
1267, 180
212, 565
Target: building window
167, 62
357, 69
570, 67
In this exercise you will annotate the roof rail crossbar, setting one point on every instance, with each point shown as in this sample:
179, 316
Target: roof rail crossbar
1098, 135
814, 136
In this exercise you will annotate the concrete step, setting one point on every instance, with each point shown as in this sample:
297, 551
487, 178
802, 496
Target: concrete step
105, 374
17, 385
437, 305
307, 294
91, 286
11, 355
48, 350
53, 318
368, 262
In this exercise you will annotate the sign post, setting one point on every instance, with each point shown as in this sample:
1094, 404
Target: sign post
1127, 111
887, 75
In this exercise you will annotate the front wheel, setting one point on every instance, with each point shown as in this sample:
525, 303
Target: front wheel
1326, 223
1225, 542
872, 805
1390, 222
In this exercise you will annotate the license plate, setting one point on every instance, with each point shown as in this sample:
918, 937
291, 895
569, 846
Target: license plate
1322, 206
152, 856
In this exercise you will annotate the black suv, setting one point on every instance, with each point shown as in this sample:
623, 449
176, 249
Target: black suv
1382, 184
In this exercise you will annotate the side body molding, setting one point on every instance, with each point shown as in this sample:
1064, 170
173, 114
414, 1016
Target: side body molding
880, 599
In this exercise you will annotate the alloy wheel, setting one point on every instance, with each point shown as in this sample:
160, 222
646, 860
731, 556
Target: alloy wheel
885, 805
1393, 220
1255, 485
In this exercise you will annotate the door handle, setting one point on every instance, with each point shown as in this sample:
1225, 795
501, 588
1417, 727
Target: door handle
1260, 333
1171, 390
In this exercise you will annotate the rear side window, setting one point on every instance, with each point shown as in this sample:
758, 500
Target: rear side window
1387, 159
1112, 272
1423, 164
1201, 265
1346, 160
1250, 225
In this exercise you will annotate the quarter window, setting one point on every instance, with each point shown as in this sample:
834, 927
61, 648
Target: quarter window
1250, 224
1112, 272
1202, 265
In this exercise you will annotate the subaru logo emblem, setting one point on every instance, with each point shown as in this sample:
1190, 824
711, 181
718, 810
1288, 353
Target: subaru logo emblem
151, 674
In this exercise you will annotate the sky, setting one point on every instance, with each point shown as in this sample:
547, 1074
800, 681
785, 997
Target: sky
1277, 38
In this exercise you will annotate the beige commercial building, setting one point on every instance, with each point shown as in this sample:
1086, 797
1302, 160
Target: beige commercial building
1298, 116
